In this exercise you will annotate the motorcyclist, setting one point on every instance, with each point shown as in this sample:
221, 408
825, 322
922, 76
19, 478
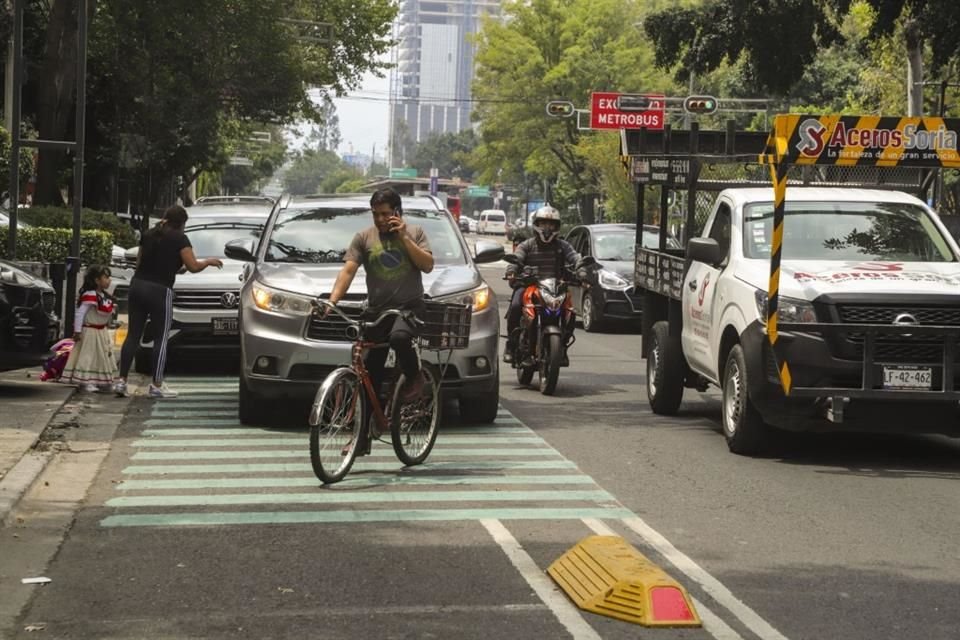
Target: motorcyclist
550, 254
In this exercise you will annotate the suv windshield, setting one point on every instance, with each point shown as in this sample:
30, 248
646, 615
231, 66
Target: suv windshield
323, 235
208, 241
621, 245
884, 231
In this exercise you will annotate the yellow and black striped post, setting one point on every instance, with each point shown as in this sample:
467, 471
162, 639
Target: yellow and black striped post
778, 172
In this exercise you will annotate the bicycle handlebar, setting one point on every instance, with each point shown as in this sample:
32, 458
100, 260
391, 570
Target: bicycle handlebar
353, 321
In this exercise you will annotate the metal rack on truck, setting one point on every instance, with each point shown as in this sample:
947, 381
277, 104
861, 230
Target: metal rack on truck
867, 348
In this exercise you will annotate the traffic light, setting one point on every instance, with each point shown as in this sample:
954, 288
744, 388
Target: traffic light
629, 102
560, 109
700, 105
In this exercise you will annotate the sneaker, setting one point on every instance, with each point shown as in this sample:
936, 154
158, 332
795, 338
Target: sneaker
412, 389
120, 388
508, 357
89, 388
527, 362
163, 391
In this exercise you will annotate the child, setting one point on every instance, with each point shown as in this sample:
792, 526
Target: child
91, 364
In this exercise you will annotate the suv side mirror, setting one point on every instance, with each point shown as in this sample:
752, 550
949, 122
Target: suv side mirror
487, 251
705, 250
240, 249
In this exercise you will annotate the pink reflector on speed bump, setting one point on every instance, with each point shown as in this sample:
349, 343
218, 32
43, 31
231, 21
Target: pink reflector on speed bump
668, 603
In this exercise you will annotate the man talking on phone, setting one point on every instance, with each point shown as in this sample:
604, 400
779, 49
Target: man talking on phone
394, 256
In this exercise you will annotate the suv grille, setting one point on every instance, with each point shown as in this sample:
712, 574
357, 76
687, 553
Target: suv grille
333, 327
205, 299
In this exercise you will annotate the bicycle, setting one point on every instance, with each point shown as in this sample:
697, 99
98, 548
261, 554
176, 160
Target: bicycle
339, 425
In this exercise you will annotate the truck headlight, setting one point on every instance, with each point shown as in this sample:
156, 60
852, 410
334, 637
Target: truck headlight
611, 280
479, 298
270, 299
788, 310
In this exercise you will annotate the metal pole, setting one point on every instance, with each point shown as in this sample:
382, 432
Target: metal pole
73, 260
15, 128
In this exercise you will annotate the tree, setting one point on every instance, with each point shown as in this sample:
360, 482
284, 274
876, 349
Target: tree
448, 152
309, 170
547, 50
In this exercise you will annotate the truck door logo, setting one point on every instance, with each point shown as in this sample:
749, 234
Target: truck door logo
703, 290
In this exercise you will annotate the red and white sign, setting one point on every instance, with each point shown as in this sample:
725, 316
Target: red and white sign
604, 113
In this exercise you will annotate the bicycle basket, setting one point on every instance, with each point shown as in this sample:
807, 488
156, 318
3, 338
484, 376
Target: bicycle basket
446, 326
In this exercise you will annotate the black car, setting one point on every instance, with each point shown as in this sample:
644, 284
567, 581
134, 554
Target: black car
611, 296
28, 323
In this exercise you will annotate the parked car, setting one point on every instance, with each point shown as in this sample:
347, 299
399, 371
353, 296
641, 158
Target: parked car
205, 304
205, 201
466, 222
515, 228
287, 352
611, 295
492, 221
28, 322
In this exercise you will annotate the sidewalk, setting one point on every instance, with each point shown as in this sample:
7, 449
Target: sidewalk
28, 407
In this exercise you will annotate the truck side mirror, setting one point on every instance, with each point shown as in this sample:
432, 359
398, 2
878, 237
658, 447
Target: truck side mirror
705, 250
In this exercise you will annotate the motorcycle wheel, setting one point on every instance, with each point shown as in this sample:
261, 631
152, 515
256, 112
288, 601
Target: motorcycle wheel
550, 364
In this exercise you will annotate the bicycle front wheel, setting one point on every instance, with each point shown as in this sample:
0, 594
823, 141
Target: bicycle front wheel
414, 425
336, 421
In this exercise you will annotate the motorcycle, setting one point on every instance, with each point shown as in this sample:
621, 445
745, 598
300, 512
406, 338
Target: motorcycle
546, 325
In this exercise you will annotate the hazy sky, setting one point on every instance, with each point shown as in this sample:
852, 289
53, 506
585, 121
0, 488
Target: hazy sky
364, 116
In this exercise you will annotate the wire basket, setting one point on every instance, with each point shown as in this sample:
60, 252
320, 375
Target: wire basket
446, 326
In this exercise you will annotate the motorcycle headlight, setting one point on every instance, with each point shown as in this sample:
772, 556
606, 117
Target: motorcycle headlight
552, 302
611, 280
479, 298
270, 299
788, 310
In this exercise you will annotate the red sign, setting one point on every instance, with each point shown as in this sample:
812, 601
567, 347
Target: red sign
606, 113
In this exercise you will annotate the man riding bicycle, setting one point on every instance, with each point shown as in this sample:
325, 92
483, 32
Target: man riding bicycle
394, 256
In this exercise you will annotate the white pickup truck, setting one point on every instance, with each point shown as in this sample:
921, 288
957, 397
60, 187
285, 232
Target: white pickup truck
869, 315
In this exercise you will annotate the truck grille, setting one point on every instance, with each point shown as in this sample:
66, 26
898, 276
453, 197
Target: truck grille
901, 349
205, 299
333, 327
870, 314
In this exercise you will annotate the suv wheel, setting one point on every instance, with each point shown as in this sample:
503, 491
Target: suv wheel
481, 409
252, 409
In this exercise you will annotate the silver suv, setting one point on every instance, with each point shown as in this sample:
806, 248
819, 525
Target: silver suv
286, 352
205, 304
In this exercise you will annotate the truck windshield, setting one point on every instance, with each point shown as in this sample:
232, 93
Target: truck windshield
883, 231
323, 235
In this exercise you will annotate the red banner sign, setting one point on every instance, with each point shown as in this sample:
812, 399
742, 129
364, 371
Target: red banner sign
606, 112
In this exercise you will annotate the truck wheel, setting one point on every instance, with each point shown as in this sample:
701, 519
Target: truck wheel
743, 427
251, 407
664, 371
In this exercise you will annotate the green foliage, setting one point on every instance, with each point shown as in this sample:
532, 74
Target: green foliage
309, 170
120, 231
334, 180
36, 244
354, 185
448, 152
26, 161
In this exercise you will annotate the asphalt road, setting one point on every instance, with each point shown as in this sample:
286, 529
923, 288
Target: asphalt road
197, 527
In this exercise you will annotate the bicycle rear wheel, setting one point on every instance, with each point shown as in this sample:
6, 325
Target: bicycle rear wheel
336, 425
414, 425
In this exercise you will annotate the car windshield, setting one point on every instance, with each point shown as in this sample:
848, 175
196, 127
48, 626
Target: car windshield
884, 231
620, 246
323, 235
208, 241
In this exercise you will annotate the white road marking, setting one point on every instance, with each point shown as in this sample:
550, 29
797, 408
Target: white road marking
716, 589
557, 601
712, 623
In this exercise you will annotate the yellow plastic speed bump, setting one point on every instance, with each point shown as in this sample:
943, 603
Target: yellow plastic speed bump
607, 576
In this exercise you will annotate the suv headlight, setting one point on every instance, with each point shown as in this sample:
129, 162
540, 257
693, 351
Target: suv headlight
270, 299
611, 280
788, 309
479, 298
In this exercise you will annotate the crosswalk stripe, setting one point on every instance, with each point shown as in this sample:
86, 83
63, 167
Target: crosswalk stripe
340, 497
348, 482
301, 453
160, 422
360, 465
353, 515
445, 432
196, 413
278, 441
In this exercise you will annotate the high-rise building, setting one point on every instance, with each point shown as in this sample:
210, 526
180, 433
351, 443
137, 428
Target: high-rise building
433, 69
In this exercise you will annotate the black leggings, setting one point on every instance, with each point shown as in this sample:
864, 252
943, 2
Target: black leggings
154, 301
400, 334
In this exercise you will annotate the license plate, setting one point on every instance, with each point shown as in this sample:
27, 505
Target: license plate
391, 359
226, 326
907, 378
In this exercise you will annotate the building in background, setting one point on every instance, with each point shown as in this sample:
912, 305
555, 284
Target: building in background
430, 82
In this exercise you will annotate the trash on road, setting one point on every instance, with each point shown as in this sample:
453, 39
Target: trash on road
38, 626
37, 580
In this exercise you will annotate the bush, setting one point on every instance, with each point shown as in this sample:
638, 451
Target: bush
37, 244
62, 218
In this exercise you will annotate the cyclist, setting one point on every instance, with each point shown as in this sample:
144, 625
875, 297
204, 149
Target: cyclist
550, 255
394, 256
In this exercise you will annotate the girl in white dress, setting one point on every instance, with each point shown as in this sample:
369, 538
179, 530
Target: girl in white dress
92, 365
